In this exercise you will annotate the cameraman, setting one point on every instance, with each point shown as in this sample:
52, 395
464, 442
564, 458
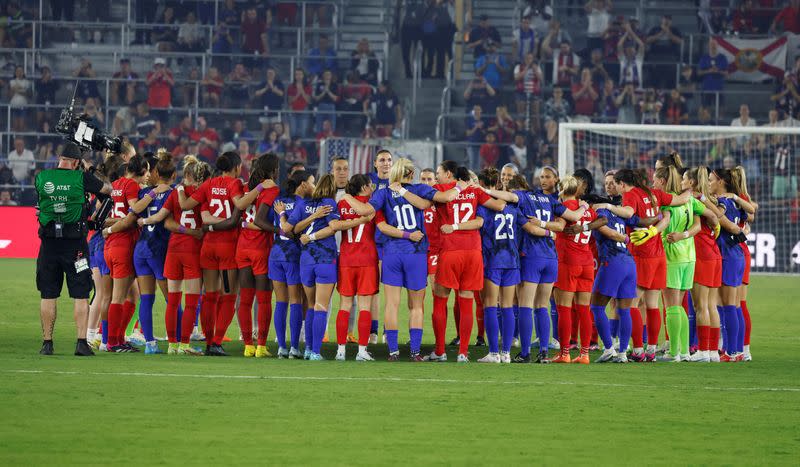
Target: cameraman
62, 204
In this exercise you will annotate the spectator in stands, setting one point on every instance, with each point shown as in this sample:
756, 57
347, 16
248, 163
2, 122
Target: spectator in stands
385, 109
87, 85
21, 161
411, 31
229, 14
650, 107
555, 35
94, 115
286, 17
524, 41
518, 152
742, 18
675, 111
784, 174
188, 88
788, 19
166, 34
599, 73
19, 31
490, 151
254, 35
492, 65
355, 98
476, 134
664, 42
270, 143
503, 125
585, 96
159, 88
295, 153
744, 120
46, 144
145, 121
480, 92
364, 61
566, 65
480, 35
212, 90
712, 68
437, 38
283, 133
6, 174
207, 138
123, 86
299, 97
627, 102
184, 129
630, 50
124, 121
541, 16
529, 80
556, 110
149, 143
322, 58
238, 132
687, 85
598, 12
5, 198
248, 156
607, 104
704, 117
322, 12
46, 88
611, 37
191, 36
238, 86
787, 96
20, 90
272, 93
326, 96
222, 44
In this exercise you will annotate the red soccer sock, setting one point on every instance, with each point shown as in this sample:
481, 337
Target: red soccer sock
439, 319
225, 312
479, 314
564, 326
663, 320
171, 315
245, 314
114, 322
457, 315
187, 320
713, 339
747, 324
703, 333
364, 324
585, 326
264, 299
208, 315
128, 310
573, 335
465, 324
342, 321
637, 328
653, 325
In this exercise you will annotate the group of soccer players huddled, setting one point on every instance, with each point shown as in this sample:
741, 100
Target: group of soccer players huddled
560, 259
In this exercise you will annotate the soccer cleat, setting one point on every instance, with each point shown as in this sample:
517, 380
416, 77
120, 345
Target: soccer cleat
667, 357
373, 338
747, 356
103, 347
519, 358
701, 356
47, 348
249, 351
480, 341
505, 357
739, 357
82, 349
295, 354
197, 335
620, 358
462, 358
393, 357
95, 342
515, 342
186, 349
637, 357
218, 351
172, 348
282, 353
130, 348
307, 353
562, 358
725, 358
649, 357
263, 352
341, 354
593, 346
713, 356
136, 338
351, 338
606, 356
491, 357
554, 345
693, 349
455, 342
119, 349
416, 357
582, 359
151, 348
315, 357
434, 357
364, 356
542, 358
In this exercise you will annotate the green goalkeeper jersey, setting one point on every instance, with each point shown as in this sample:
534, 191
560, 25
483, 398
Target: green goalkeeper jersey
681, 218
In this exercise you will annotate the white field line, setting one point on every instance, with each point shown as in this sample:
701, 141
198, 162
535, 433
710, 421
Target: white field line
401, 380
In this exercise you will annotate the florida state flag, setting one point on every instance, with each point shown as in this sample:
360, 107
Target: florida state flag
754, 60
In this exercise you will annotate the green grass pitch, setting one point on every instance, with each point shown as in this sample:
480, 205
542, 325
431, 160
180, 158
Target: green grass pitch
160, 409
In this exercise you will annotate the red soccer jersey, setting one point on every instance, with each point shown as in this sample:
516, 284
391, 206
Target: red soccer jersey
643, 207
178, 242
575, 249
257, 239
433, 231
705, 245
216, 196
122, 190
462, 209
358, 244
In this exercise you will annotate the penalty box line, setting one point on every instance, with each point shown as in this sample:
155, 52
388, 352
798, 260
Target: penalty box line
396, 380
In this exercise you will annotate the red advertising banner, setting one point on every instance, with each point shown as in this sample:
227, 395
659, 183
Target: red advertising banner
18, 232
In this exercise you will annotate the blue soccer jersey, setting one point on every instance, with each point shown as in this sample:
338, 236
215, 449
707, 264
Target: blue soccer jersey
607, 248
499, 237
380, 184
320, 251
285, 248
542, 207
155, 236
401, 214
728, 245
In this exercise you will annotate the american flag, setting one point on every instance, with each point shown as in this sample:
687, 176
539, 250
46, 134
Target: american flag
359, 155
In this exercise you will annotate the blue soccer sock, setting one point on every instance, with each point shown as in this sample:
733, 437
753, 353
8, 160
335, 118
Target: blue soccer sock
373, 327
625, 327
542, 320
602, 325
295, 324
723, 330
516, 321
731, 328
320, 322
644, 334
740, 334
614, 327
280, 322
104, 330
146, 303
692, 320
554, 316
391, 340
525, 330
178, 324
507, 328
197, 311
492, 327
415, 334
309, 328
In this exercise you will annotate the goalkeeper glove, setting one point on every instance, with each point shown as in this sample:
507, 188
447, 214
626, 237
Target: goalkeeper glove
640, 237
717, 231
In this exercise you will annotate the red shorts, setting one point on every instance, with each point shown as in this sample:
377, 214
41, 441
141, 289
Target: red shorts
256, 259
358, 280
184, 265
708, 272
651, 273
218, 256
119, 262
575, 278
460, 270
433, 263
747, 258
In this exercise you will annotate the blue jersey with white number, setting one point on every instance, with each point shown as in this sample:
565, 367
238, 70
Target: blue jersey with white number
607, 248
285, 248
542, 207
153, 239
728, 246
401, 214
320, 251
499, 236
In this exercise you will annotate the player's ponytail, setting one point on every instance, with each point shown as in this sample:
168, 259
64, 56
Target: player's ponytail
672, 159
672, 180
264, 168
326, 188
586, 177
698, 176
568, 186
635, 179
228, 161
740, 181
518, 182
401, 170
357, 183
164, 165
489, 177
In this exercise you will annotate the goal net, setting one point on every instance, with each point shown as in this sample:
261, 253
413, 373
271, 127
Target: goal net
768, 153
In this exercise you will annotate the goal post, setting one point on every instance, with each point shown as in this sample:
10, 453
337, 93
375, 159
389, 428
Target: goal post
769, 155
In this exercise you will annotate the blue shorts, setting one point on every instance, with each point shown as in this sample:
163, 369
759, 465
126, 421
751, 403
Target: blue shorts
409, 271
616, 277
539, 270
147, 264
313, 274
284, 271
98, 260
380, 251
732, 270
502, 277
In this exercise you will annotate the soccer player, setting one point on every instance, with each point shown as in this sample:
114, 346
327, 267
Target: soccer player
745, 202
428, 177
379, 178
222, 200
358, 267
508, 172
318, 273
252, 256
284, 265
548, 186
